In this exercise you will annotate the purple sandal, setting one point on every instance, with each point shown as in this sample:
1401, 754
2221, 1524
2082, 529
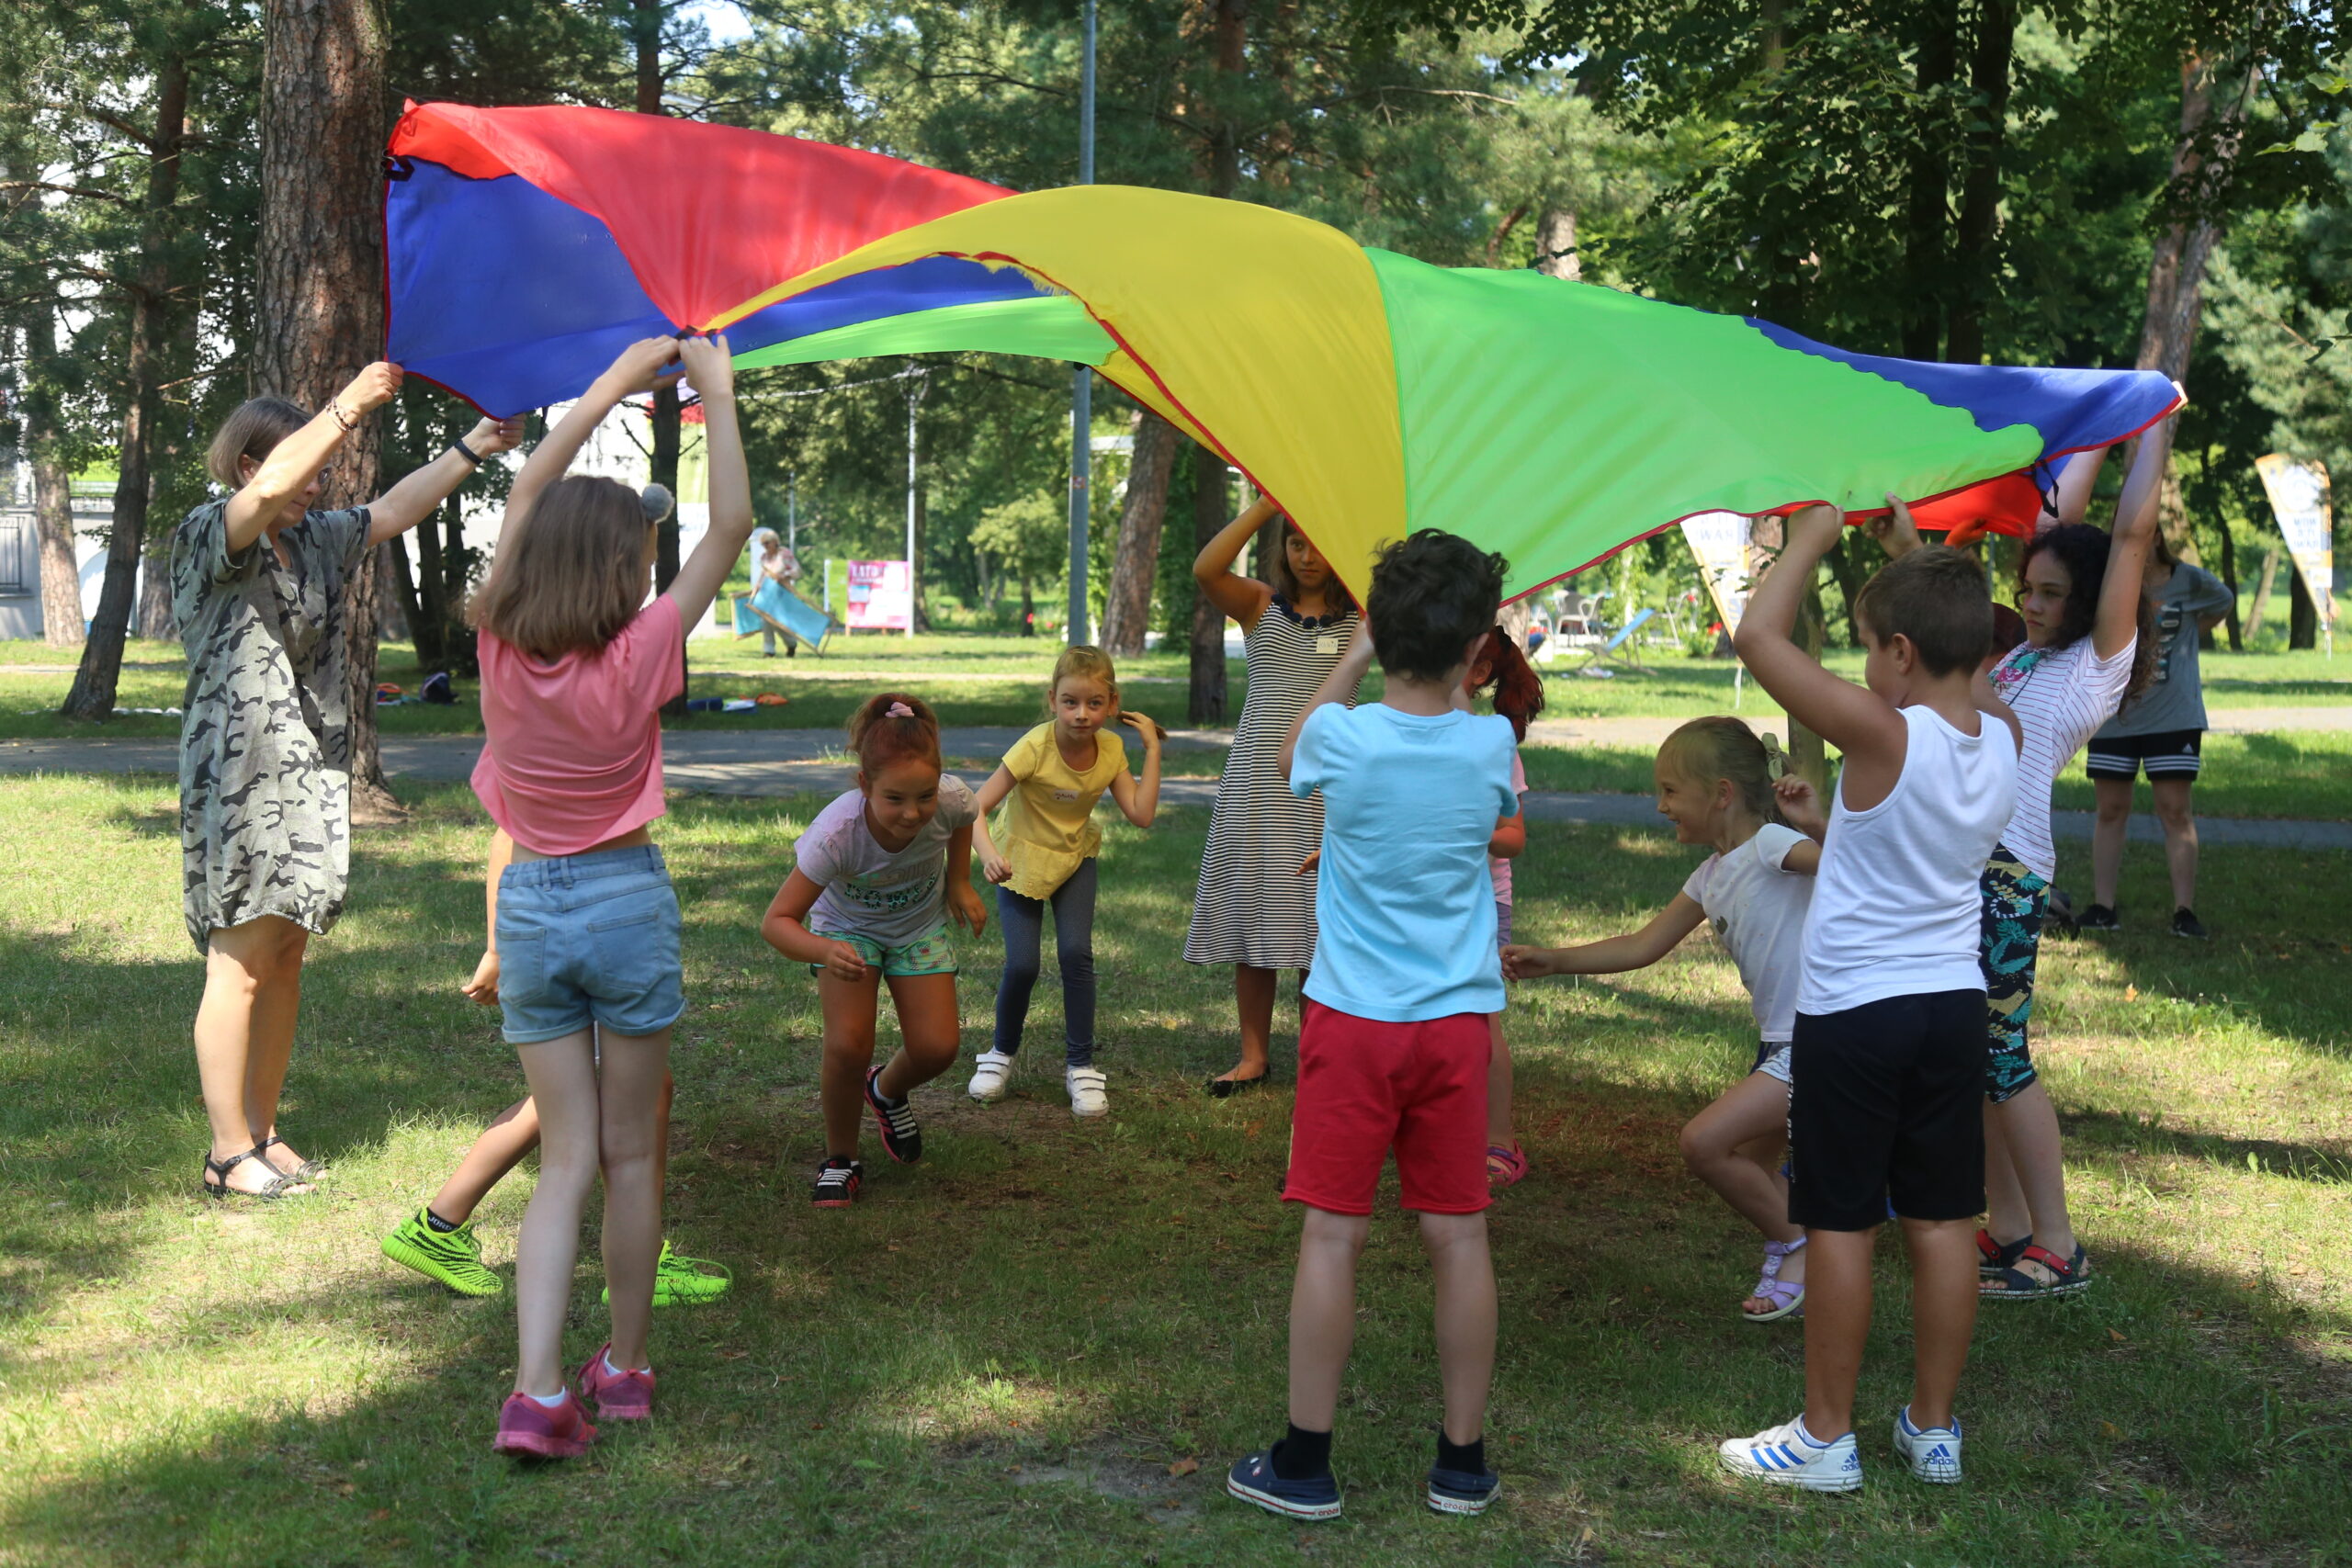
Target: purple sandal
1786, 1296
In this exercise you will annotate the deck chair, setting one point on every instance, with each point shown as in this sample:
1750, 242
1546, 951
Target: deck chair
1623, 651
777, 608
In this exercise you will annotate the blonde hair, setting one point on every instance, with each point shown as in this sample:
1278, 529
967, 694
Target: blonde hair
1089, 663
1706, 749
573, 575
253, 429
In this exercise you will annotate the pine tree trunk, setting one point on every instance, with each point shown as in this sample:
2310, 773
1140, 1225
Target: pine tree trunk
1127, 612
320, 306
2230, 576
60, 574
1204, 703
1974, 283
1555, 245
1808, 754
95, 684
431, 626
1927, 218
2262, 585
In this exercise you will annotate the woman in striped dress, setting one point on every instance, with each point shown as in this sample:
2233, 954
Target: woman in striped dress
1253, 910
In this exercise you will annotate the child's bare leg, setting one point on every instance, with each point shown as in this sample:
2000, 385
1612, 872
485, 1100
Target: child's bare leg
634, 1098
1837, 1324
848, 1052
1943, 1314
930, 1030
1323, 1313
1732, 1146
1498, 1086
562, 1075
1464, 1271
2025, 1151
512, 1134
1253, 1000
2007, 1216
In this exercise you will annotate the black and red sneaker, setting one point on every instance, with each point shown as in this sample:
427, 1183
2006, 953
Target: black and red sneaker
838, 1180
895, 1120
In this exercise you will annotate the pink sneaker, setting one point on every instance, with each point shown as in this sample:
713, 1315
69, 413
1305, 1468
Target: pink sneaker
619, 1396
527, 1427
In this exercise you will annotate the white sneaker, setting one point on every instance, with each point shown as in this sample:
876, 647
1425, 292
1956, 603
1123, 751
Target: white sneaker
989, 1078
1086, 1096
1788, 1456
1933, 1452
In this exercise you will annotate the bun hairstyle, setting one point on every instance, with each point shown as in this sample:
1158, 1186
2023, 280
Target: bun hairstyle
573, 574
891, 727
658, 503
253, 429
1706, 749
2082, 550
1519, 690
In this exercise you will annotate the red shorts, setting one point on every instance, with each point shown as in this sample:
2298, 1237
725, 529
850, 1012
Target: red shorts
1365, 1087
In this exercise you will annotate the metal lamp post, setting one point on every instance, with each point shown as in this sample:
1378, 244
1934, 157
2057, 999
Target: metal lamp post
1082, 398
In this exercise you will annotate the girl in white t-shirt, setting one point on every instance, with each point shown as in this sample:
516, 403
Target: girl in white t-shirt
875, 881
1714, 784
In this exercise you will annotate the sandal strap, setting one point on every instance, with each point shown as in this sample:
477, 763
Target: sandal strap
274, 1187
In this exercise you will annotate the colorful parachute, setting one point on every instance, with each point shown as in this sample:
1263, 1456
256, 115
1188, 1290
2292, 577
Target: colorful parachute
1368, 393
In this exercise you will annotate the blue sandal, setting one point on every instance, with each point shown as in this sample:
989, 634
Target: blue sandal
2068, 1276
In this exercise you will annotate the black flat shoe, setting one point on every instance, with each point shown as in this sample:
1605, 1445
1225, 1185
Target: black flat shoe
309, 1171
278, 1186
1226, 1088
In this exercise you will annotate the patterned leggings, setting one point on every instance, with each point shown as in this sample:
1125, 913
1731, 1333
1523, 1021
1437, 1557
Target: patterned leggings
2014, 900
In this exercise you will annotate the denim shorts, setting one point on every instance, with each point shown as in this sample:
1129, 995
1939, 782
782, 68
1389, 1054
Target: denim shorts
588, 938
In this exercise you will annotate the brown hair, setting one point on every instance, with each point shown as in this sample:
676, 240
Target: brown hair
253, 429
1279, 578
1519, 690
880, 737
1715, 748
572, 574
2083, 551
1937, 597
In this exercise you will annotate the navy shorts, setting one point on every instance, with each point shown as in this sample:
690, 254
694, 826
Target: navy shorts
1888, 1104
588, 938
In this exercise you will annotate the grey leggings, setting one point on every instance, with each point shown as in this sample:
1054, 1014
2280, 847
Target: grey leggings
1023, 921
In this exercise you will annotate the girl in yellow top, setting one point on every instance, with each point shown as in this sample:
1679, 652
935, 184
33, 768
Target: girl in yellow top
1048, 783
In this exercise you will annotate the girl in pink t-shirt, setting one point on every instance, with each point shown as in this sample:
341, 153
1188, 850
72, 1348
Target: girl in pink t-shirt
575, 668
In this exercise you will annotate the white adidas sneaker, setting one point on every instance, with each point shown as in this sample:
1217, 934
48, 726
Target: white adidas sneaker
989, 1078
1933, 1452
1788, 1456
1086, 1093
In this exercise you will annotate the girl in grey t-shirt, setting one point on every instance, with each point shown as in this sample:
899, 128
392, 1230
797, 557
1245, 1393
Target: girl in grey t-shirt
2162, 731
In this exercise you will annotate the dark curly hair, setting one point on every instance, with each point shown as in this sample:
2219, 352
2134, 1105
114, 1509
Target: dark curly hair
2082, 550
1431, 593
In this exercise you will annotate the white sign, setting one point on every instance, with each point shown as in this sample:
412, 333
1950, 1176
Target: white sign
881, 596
2299, 496
1720, 540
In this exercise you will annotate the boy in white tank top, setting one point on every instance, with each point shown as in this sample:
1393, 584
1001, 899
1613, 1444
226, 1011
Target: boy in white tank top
1888, 1053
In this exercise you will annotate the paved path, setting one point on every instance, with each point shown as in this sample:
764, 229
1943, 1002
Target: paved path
769, 762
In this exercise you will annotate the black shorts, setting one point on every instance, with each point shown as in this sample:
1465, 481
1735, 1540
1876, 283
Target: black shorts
2171, 754
1888, 1106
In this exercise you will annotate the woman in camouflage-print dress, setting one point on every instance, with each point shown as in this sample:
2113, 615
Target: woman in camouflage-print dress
258, 582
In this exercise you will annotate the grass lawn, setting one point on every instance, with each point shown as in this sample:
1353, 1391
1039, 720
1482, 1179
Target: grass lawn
975, 679
1015, 1351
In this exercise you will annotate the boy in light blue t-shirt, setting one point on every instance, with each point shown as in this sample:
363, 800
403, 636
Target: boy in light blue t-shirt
1393, 1049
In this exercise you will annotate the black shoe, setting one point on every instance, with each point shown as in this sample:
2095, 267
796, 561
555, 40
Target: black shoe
1226, 1088
838, 1180
2186, 923
2098, 918
2058, 915
895, 1119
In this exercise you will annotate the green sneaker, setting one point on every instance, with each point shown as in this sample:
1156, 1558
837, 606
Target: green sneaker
684, 1282
454, 1258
